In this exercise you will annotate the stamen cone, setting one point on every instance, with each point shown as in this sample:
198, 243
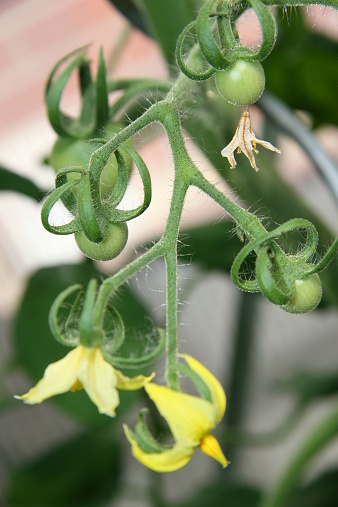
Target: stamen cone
210, 446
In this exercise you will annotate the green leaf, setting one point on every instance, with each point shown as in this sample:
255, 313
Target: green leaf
322, 492
36, 347
224, 493
166, 20
82, 472
130, 10
13, 182
302, 69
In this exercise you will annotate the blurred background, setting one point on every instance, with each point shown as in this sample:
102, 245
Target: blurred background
34, 34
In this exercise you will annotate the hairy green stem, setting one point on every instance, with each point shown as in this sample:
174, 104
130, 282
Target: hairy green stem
111, 284
302, 3
170, 240
247, 221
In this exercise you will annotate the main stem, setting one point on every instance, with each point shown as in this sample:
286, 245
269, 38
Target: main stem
170, 237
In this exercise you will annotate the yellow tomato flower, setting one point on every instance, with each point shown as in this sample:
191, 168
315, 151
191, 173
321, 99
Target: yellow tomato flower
245, 141
85, 368
190, 419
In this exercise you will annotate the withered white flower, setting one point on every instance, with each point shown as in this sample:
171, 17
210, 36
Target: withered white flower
245, 141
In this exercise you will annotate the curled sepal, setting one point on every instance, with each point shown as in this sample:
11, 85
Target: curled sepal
272, 282
121, 181
62, 124
298, 263
326, 259
65, 326
94, 110
201, 387
88, 210
64, 175
193, 60
89, 335
114, 338
152, 350
144, 437
97, 163
268, 28
118, 215
206, 39
101, 94
49, 203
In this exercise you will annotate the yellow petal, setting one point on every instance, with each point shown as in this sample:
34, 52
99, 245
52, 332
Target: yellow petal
189, 417
210, 446
58, 378
216, 389
167, 461
132, 383
98, 378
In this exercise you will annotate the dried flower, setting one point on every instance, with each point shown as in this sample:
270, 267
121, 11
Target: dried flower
245, 141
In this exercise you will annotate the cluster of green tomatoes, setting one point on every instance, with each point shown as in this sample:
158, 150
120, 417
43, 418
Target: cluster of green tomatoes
67, 152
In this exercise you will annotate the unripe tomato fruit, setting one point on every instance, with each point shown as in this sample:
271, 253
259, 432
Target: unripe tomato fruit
307, 296
77, 152
242, 83
109, 248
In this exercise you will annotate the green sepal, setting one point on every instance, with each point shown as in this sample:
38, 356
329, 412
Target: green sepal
89, 337
88, 210
206, 39
143, 436
85, 77
191, 74
101, 95
49, 203
62, 124
226, 29
198, 382
68, 198
297, 264
125, 215
121, 181
97, 163
67, 334
95, 108
326, 259
268, 28
141, 361
113, 341
272, 283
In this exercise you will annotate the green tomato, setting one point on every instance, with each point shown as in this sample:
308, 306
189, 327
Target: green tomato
77, 152
242, 83
307, 296
109, 248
